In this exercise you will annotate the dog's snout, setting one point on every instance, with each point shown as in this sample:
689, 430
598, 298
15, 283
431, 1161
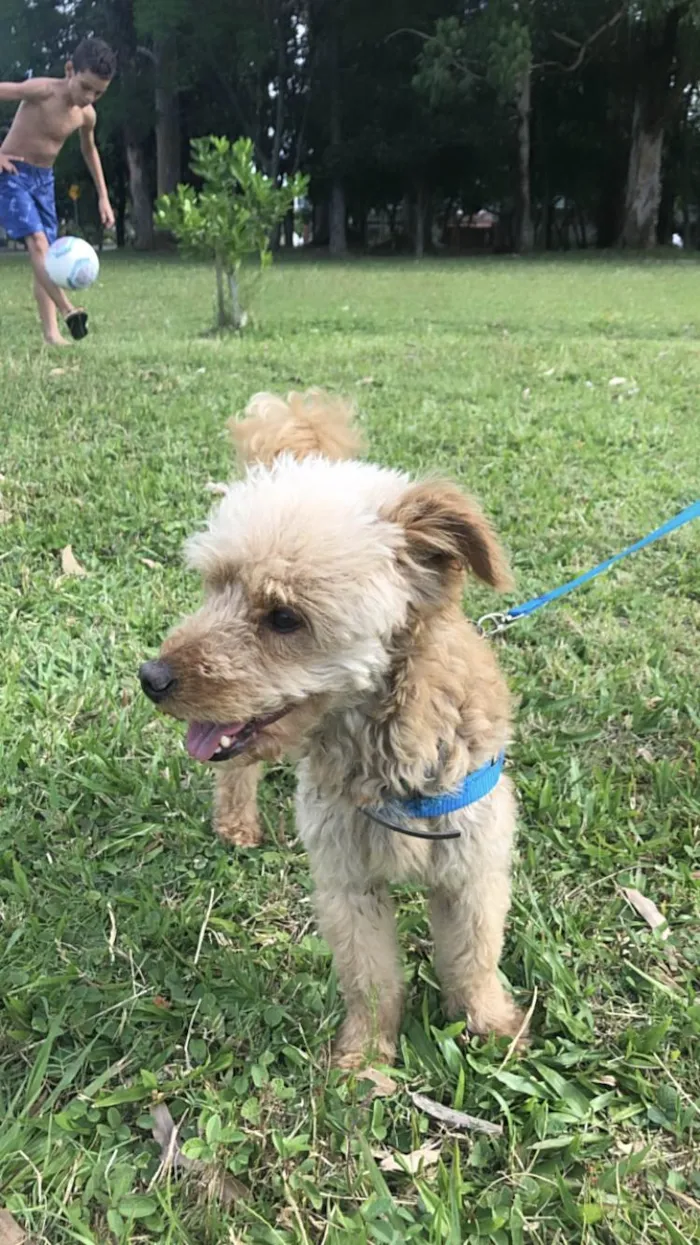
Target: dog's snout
157, 679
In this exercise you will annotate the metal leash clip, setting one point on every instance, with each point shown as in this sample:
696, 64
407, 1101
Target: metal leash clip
500, 622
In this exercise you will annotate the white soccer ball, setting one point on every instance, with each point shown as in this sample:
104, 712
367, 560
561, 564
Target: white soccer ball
72, 263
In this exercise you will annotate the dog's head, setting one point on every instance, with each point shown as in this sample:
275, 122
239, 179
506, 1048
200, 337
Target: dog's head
312, 571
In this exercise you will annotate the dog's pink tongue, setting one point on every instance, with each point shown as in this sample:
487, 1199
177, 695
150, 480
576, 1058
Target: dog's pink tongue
203, 738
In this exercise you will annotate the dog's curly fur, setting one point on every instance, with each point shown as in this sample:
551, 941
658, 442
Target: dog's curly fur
303, 424
333, 596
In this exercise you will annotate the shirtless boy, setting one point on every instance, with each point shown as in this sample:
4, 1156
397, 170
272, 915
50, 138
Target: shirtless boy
50, 110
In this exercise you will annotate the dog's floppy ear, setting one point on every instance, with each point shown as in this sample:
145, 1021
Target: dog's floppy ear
446, 532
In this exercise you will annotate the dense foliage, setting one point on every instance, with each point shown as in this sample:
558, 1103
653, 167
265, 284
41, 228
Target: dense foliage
576, 124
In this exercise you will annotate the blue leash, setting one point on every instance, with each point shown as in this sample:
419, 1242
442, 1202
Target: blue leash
478, 784
501, 621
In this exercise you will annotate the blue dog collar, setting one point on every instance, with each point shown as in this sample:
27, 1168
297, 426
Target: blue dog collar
472, 789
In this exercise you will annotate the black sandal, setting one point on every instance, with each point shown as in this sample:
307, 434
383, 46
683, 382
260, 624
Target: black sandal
76, 323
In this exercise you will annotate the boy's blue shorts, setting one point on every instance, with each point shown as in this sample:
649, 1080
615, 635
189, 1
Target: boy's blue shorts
28, 201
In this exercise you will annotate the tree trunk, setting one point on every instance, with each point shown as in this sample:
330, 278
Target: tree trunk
428, 224
419, 222
288, 227
659, 86
446, 218
337, 240
526, 236
168, 170
580, 220
665, 225
238, 316
120, 205
392, 224
229, 313
139, 193
643, 193
548, 214
221, 317
321, 223
280, 99
337, 235
686, 182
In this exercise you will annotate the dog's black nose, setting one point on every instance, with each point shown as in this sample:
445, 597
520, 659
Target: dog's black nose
157, 679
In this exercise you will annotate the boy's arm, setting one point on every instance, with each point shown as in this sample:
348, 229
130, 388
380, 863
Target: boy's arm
30, 88
91, 156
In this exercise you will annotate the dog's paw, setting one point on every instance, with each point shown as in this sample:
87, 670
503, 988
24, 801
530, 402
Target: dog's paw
239, 832
349, 1060
355, 1048
504, 1020
489, 1008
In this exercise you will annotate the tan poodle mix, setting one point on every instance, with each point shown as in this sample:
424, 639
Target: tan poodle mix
303, 425
332, 612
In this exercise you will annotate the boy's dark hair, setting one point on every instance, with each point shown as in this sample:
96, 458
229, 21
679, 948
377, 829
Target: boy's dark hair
95, 56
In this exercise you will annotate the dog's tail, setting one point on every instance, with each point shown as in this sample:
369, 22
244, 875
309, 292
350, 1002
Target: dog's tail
306, 423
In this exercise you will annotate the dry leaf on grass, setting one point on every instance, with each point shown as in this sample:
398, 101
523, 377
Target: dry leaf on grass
57, 371
646, 908
150, 563
412, 1163
216, 488
69, 563
10, 1231
5, 516
455, 1119
383, 1085
219, 1183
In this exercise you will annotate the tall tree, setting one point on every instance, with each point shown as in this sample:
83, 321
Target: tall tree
664, 50
159, 28
128, 108
510, 44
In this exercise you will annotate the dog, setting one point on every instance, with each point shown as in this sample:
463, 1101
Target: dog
333, 612
302, 425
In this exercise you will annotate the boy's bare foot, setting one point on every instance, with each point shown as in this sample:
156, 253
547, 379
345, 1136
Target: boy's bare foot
56, 341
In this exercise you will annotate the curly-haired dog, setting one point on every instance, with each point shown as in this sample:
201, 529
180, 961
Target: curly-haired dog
333, 590
302, 425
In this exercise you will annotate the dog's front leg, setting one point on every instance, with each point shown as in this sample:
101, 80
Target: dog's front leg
235, 803
468, 910
360, 928
468, 933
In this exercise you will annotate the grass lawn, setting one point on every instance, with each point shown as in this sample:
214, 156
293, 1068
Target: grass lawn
141, 962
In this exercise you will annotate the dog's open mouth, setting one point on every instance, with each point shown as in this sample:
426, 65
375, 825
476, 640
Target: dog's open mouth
219, 741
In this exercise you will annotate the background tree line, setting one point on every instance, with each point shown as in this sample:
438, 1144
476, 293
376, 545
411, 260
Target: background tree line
576, 121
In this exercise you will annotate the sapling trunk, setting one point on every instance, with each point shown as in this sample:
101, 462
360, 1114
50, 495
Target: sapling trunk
237, 319
221, 317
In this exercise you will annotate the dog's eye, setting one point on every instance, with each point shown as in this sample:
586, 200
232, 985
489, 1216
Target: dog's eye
284, 621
